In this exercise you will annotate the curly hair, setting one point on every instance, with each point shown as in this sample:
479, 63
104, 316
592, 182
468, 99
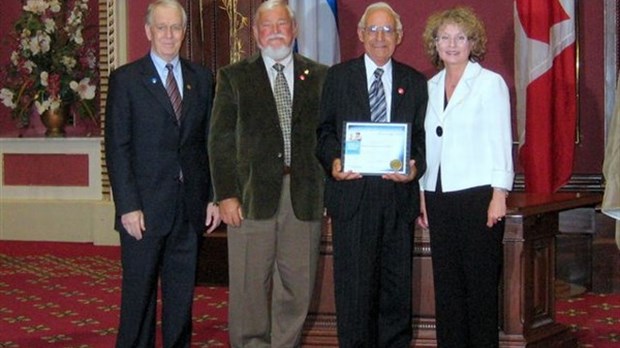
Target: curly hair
466, 19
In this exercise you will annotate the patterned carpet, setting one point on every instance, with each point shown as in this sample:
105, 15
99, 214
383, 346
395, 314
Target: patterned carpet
67, 295
593, 318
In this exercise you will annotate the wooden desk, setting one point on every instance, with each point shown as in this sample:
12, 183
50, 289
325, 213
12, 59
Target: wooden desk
527, 307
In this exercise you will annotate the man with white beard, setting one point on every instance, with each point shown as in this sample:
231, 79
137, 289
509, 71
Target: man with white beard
268, 182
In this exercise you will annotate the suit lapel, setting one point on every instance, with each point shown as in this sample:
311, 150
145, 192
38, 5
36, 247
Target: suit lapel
256, 75
464, 87
358, 85
152, 82
189, 90
300, 92
399, 88
436, 94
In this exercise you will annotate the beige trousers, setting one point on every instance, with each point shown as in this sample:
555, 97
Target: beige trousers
272, 267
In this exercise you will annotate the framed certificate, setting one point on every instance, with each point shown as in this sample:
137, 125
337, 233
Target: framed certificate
371, 148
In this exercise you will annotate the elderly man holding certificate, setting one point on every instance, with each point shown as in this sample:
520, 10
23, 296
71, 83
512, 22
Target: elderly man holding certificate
373, 207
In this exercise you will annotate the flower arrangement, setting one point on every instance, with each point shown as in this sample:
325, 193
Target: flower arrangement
51, 65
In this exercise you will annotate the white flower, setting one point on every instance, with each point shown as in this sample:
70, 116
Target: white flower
42, 106
38, 44
36, 6
15, 58
78, 37
44, 41
55, 6
44, 76
91, 59
69, 62
6, 96
47, 104
84, 89
50, 25
29, 66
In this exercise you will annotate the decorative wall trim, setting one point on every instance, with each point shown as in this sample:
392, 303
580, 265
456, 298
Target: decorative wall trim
577, 182
89, 146
112, 54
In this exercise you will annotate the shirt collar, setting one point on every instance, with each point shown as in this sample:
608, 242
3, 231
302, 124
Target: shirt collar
160, 64
269, 62
371, 67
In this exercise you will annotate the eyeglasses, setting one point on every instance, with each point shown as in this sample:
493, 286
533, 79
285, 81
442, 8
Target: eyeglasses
445, 40
374, 30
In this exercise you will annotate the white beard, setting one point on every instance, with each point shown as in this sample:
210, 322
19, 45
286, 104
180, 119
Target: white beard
277, 54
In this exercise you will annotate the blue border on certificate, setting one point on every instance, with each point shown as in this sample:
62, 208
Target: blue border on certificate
371, 148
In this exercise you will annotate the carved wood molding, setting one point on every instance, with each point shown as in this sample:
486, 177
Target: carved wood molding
577, 182
108, 54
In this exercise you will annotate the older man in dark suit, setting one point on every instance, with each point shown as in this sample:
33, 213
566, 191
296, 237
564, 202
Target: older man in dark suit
157, 118
373, 216
268, 182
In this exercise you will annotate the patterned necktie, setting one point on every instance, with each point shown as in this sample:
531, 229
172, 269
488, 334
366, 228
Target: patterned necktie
283, 103
173, 92
378, 105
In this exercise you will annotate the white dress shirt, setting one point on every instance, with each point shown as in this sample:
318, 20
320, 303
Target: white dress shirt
386, 79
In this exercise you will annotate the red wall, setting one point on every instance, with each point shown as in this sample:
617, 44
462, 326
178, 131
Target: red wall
137, 44
499, 21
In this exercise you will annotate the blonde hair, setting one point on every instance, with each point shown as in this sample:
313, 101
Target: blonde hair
466, 19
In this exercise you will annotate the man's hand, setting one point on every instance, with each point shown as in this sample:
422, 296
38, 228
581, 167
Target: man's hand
133, 222
339, 175
213, 219
230, 212
396, 177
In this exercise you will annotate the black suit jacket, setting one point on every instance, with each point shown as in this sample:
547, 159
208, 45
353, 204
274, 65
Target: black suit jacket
345, 98
146, 148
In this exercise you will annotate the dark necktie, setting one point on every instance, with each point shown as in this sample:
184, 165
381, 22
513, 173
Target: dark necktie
284, 105
378, 105
173, 92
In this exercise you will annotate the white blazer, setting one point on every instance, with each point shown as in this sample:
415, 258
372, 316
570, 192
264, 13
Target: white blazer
475, 148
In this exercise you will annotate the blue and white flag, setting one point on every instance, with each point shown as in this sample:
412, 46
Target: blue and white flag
317, 22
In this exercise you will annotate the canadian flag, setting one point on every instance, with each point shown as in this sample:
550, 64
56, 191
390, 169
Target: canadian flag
545, 79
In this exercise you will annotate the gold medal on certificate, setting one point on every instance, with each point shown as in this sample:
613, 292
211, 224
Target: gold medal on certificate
396, 164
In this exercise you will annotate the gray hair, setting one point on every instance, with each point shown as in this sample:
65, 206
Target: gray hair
380, 6
270, 5
148, 19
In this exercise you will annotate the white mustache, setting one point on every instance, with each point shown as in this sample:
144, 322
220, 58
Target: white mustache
276, 37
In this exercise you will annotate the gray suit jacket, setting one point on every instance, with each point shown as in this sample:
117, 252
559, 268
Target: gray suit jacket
246, 149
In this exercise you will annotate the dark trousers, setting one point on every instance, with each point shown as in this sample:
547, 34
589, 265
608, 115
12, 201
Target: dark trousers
169, 258
467, 259
372, 272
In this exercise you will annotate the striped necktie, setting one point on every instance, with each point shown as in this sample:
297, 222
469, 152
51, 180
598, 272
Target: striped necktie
378, 105
173, 92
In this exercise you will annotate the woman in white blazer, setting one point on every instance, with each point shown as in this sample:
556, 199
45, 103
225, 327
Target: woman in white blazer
469, 174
